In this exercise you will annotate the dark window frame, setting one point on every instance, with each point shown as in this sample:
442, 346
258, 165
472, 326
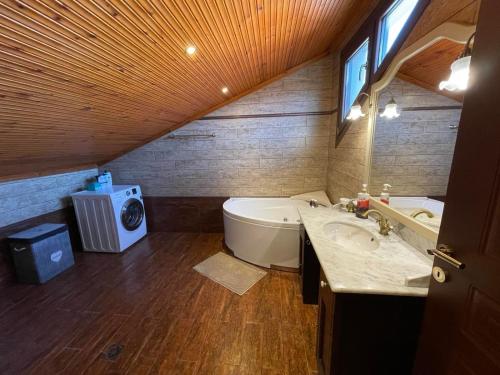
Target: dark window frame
370, 29
353, 45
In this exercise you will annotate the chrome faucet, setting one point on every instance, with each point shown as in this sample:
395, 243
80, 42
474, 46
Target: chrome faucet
415, 213
384, 225
314, 203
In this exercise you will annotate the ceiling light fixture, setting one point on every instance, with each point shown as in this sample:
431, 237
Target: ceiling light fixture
356, 112
391, 109
190, 50
460, 68
225, 90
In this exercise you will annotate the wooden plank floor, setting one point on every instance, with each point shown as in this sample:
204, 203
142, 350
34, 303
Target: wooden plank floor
168, 318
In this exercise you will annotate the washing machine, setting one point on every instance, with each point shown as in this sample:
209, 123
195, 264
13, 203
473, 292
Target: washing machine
110, 220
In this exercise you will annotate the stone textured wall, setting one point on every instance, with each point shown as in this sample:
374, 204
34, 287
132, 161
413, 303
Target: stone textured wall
27, 198
413, 152
267, 156
347, 160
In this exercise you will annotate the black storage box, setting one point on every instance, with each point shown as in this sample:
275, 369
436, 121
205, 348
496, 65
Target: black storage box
42, 252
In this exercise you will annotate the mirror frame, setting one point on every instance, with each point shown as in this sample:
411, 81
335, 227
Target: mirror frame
422, 229
453, 31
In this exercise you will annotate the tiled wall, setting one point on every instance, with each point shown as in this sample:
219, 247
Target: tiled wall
267, 156
413, 152
347, 160
27, 198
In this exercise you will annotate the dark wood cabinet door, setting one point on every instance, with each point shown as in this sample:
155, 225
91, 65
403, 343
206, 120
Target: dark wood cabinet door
461, 330
302, 233
309, 270
325, 327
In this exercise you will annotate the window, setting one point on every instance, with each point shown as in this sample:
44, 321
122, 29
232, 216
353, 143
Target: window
365, 58
355, 74
391, 24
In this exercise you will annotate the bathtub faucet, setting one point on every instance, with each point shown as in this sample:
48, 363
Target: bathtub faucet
417, 212
314, 203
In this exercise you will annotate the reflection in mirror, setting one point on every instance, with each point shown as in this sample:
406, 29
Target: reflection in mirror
413, 152
425, 210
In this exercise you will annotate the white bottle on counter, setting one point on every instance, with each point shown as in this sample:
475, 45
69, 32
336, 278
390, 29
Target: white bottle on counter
384, 195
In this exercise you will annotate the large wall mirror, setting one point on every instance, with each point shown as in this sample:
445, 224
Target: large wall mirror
414, 140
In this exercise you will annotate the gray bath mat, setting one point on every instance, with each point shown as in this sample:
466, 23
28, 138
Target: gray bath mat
230, 272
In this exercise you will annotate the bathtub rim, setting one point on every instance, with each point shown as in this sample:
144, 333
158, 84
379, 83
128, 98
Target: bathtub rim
257, 221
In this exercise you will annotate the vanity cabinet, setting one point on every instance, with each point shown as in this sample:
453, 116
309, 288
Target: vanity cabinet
324, 337
363, 334
359, 334
308, 269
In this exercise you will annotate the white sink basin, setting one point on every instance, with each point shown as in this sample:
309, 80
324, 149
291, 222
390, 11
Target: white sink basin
350, 236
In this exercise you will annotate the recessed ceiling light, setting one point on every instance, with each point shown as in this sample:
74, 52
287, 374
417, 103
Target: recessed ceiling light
225, 90
190, 50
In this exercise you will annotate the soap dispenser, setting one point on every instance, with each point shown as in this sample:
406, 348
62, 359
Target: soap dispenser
384, 195
363, 203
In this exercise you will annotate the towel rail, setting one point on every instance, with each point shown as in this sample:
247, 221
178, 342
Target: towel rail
182, 136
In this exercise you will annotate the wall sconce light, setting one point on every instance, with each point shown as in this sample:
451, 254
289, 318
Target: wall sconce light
391, 110
355, 111
459, 76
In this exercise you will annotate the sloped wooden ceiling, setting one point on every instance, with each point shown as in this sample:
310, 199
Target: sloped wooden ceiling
431, 66
82, 81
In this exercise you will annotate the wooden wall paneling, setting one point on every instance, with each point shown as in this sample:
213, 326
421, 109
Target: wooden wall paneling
81, 82
184, 214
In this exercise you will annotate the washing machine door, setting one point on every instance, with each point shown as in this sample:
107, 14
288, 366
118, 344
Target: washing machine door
132, 214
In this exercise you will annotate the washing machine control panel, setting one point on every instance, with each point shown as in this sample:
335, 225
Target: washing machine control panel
134, 192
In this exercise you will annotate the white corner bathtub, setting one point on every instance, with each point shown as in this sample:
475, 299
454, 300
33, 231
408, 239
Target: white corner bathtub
264, 231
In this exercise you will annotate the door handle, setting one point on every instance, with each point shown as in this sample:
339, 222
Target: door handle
444, 253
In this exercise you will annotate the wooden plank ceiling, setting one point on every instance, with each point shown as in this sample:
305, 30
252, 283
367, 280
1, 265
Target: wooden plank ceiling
82, 81
431, 66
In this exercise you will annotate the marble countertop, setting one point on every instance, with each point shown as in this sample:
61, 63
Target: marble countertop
379, 271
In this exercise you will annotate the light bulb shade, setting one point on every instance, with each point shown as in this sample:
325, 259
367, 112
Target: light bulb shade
355, 112
459, 76
391, 110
